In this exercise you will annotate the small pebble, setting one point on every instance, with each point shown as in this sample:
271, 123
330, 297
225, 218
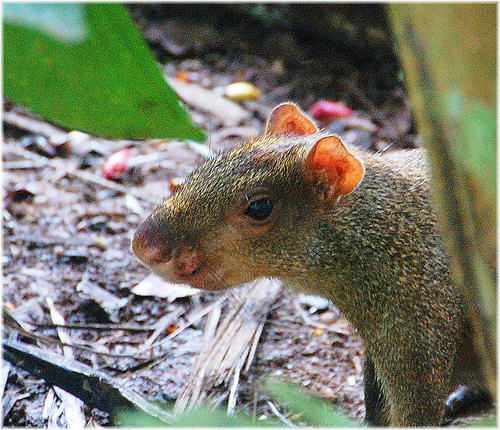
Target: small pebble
351, 380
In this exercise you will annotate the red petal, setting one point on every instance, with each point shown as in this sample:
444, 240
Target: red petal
116, 164
328, 110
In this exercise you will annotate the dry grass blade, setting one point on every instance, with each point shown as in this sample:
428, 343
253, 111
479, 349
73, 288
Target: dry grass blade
49, 405
233, 344
211, 325
230, 113
162, 325
73, 407
233, 392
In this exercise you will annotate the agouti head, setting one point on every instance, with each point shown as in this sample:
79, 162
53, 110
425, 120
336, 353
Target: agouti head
245, 213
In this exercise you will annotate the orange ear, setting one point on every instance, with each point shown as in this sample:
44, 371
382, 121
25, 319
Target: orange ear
287, 118
331, 162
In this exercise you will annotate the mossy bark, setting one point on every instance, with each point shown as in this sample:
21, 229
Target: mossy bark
448, 53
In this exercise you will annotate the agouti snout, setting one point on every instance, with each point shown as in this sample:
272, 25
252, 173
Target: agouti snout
357, 228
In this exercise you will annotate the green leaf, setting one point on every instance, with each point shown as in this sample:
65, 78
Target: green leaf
484, 422
86, 67
206, 416
315, 410
137, 419
312, 409
200, 416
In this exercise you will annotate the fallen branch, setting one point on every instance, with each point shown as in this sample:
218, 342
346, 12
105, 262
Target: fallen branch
93, 387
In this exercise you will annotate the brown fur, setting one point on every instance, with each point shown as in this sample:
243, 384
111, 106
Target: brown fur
376, 253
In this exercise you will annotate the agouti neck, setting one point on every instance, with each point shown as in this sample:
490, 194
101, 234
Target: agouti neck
379, 238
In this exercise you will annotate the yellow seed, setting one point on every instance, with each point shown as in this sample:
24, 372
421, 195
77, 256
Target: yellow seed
318, 331
101, 243
241, 91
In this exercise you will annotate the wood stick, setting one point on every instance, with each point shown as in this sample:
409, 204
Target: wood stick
93, 387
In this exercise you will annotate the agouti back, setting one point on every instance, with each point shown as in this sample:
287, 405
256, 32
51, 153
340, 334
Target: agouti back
356, 228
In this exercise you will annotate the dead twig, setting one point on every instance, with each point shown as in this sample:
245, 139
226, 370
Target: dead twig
108, 301
103, 327
52, 241
3, 377
9, 148
9, 401
53, 341
23, 164
191, 321
105, 183
33, 125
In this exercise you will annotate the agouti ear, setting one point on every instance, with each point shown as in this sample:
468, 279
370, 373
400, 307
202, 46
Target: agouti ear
330, 162
286, 119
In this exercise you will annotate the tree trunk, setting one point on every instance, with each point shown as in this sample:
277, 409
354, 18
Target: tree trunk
448, 53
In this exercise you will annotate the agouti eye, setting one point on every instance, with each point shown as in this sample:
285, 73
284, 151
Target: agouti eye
259, 210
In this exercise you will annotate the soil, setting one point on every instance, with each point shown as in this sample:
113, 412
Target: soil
67, 238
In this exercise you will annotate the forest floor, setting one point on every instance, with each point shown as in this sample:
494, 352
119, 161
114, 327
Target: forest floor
67, 230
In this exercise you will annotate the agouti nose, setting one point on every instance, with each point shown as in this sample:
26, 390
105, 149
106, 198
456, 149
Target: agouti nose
151, 244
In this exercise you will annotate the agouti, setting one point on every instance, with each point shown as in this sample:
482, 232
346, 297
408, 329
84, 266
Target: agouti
332, 220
